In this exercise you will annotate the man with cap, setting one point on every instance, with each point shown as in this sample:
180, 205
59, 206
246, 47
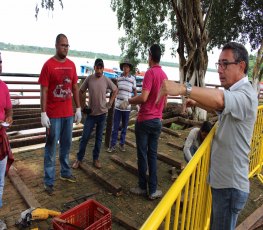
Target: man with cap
97, 85
126, 86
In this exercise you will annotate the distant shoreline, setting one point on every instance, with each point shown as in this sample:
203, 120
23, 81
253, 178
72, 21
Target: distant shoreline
74, 53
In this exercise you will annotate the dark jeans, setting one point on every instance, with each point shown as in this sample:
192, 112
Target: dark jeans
122, 116
147, 135
90, 122
226, 205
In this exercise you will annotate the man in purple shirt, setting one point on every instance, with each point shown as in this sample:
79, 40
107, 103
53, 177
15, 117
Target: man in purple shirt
148, 125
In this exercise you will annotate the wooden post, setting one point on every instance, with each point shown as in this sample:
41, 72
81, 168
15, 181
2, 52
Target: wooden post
109, 120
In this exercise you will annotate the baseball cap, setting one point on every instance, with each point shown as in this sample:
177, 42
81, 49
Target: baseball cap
99, 62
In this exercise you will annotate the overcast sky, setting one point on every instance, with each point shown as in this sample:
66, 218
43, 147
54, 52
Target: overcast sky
89, 25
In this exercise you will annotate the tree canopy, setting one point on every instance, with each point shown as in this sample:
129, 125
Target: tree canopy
193, 26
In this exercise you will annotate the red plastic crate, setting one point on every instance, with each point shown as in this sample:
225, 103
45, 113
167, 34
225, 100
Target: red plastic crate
89, 215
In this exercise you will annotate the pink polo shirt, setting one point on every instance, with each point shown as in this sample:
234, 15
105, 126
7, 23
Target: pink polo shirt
5, 102
152, 83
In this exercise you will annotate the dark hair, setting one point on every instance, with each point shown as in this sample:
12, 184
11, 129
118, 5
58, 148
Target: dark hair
59, 36
155, 52
206, 127
239, 51
99, 62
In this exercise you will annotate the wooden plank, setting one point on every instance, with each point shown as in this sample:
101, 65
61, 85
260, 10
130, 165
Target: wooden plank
248, 223
27, 121
170, 120
171, 132
128, 165
20, 186
130, 143
175, 145
24, 126
33, 139
131, 129
190, 122
169, 160
105, 180
125, 221
26, 116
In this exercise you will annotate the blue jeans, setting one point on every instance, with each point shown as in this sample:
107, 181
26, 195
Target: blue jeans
122, 116
60, 130
226, 205
2, 178
147, 135
90, 122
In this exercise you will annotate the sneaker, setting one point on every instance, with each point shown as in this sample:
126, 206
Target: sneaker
3, 225
138, 191
70, 178
122, 148
76, 164
155, 195
97, 164
111, 149
49, 189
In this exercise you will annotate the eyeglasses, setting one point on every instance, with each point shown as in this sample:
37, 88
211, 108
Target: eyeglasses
65, 45
224, 64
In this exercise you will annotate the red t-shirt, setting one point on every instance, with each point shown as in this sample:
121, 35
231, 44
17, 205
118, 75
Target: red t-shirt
152, 83
5, 102
59, 77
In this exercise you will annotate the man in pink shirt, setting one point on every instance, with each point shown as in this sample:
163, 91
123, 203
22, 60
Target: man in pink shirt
6, 157
148, 125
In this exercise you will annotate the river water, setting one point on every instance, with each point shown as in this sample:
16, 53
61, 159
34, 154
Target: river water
17, 62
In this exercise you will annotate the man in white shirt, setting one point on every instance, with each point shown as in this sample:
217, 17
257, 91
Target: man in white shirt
195, 138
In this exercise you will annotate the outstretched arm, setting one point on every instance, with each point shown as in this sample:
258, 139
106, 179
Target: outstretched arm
206, 98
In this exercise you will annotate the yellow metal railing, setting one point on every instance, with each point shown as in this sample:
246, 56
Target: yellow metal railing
187, 204
256, 153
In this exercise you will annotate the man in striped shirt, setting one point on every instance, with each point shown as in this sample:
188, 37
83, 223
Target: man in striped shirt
126, 89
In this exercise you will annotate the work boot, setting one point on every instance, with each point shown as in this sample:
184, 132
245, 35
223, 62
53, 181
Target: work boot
97, 164
49, 189
76, 164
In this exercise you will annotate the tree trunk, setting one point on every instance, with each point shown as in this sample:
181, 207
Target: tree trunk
258, 70
192, 42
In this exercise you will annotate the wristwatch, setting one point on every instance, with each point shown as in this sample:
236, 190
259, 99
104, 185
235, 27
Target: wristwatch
188, 88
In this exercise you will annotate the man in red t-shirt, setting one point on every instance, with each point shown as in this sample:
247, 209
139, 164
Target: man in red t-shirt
58, 80
148, 125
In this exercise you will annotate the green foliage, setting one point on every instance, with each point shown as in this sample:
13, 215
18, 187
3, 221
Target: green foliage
240, 20
145, 23
176, 127
154, 21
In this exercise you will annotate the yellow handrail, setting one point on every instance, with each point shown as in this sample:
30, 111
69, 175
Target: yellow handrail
192, 186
